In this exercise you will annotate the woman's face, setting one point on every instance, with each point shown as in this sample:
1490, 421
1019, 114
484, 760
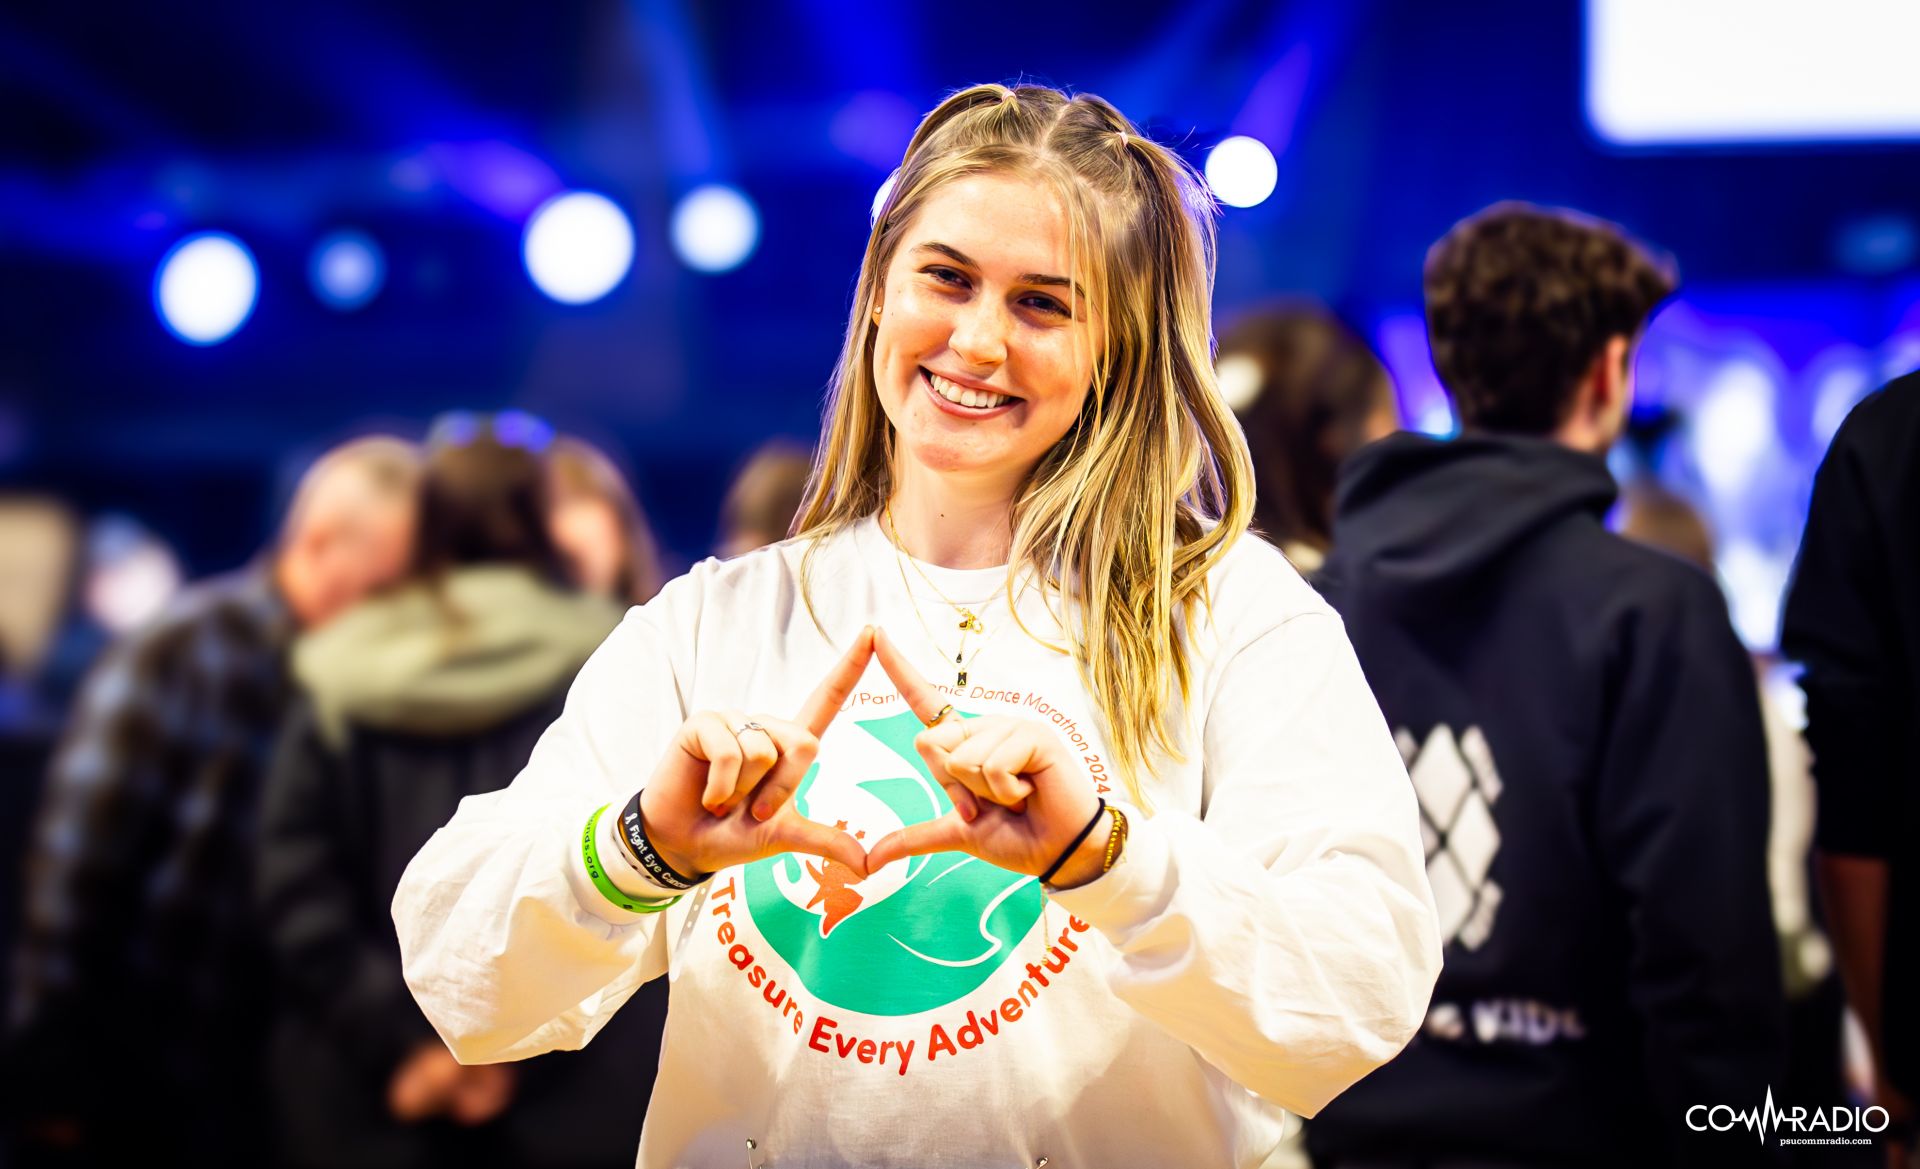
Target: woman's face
592, 541
986, 345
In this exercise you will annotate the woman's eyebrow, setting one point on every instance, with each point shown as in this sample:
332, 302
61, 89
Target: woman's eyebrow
961, 257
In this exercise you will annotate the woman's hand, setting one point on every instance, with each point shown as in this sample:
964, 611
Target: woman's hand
1019, 796
722, 794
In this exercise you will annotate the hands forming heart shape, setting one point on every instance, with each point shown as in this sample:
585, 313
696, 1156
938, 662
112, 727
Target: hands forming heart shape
722, 795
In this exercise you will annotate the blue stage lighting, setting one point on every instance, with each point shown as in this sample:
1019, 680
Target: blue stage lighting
715, 228
1242, 172
578, 246
205, 288
347, 270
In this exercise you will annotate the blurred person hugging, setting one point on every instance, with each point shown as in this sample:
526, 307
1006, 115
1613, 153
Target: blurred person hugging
1309, 393
137, 935
599, 526
1581, 726
411, 702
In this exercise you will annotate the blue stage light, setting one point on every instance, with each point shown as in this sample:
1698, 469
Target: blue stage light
205, 288
715, 228
578, 246
347, 270
1242, 171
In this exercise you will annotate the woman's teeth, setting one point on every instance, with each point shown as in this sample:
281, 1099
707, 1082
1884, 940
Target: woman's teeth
960, 395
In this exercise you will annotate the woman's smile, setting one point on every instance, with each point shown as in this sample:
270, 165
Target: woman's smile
965, 401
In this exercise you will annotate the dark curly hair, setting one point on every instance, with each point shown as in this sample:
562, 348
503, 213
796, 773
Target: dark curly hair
1521, 299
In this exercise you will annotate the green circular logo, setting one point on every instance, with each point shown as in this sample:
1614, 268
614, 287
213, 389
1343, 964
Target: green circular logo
915, 936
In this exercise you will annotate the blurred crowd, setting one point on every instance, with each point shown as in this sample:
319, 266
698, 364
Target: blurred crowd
207, 807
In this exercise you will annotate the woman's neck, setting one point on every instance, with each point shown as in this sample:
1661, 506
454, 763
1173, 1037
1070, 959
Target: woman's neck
951, 524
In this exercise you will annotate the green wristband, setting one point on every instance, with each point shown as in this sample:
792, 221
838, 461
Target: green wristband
590, 852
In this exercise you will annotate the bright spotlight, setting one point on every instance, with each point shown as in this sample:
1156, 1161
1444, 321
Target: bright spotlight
205, 288
1733, 427
715, 228
347, 270
1242, 172
578, 246
881, 196
1240, 380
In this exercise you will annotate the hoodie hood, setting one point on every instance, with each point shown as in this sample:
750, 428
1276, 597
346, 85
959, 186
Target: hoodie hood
490, 642
1418, 518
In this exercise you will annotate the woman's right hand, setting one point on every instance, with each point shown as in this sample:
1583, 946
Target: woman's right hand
722, 795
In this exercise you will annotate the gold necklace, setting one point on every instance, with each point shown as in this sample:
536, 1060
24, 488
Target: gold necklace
962, 661
970, 621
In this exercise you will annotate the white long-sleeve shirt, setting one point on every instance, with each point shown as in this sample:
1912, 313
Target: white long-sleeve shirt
1267, 939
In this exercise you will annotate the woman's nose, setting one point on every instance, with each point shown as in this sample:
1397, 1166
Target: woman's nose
980, 334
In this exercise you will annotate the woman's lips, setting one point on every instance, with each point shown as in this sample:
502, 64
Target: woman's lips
973, 413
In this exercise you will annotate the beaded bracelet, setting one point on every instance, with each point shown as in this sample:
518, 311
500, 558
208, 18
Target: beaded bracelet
1116, 841
590, 853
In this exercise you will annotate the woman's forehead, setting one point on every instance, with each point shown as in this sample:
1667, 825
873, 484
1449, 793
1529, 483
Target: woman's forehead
1008, 225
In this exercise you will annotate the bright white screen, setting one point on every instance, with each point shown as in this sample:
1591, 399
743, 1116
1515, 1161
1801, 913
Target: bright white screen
1715, 71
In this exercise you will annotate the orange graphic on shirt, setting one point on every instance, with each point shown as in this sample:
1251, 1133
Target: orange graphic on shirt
841, 900
836, 890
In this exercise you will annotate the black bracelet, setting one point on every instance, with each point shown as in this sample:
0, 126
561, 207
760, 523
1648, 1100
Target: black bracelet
645, 856
1053, 868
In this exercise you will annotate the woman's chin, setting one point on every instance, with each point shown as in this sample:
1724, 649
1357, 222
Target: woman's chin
948, 458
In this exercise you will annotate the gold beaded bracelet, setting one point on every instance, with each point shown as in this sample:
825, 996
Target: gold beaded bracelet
1116, 839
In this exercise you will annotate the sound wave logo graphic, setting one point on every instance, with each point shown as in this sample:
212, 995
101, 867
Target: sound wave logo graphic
1804, 1122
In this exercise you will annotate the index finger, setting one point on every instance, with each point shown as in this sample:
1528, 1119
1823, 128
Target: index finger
827, 698
922, 699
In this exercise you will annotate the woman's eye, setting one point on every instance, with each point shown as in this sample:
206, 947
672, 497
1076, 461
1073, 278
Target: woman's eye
946, 276
1047, 304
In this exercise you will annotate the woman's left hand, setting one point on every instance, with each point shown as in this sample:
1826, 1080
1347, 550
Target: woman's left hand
1019, 796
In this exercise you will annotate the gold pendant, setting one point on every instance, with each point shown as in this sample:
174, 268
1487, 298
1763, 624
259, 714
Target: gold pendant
969, 622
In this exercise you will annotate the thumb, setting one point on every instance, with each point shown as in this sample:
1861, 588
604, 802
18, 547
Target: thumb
795, 833
948, 833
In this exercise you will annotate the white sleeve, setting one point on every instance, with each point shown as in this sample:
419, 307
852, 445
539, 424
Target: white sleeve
1288, 935
508, 945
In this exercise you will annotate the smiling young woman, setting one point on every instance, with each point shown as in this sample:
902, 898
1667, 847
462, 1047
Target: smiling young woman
1152, 843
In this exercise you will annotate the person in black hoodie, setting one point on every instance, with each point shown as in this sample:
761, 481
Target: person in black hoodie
1853, 619
1581, 726
413, 701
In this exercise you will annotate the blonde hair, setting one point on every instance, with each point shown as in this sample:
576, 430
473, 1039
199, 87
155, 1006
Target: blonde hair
1151, 486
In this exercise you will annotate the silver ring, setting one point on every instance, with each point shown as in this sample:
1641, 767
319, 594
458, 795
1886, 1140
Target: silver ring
750, 726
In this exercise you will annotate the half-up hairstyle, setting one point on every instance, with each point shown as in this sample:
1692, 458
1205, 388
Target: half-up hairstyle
1127, 513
